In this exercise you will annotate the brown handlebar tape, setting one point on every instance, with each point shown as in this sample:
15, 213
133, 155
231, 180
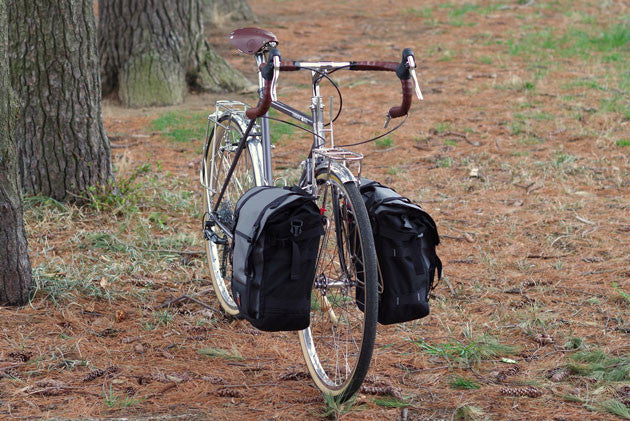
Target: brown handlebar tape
374, 65
403, 109
263, 104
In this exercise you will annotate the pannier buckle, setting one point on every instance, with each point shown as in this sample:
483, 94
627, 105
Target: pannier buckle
296, 228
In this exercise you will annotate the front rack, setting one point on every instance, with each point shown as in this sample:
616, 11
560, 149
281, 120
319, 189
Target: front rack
339, 155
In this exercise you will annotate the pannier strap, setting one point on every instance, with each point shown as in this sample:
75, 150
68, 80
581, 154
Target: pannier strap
242, 234
247, 199
377, 203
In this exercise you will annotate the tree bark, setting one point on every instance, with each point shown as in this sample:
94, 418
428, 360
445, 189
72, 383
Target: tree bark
63, 147
15, 266
220, 12
152, 50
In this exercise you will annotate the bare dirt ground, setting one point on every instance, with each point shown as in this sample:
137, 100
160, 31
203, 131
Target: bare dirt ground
521, 153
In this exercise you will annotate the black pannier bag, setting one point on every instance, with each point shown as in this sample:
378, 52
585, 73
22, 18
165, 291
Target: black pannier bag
276, 240
405, 237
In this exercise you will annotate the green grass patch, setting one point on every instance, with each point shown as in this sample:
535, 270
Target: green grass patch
426, 12
615, 407
619, 104
598, 365
59, 282
444, 162
113, 400
394, 170
623, 295
160, 318
561, 159
384, 142
335, 408
225, 354
280, 131
181, 126
468, 353
462, 383
574, 42
442, 128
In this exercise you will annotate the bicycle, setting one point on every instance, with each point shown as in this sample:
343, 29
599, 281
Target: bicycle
338, 345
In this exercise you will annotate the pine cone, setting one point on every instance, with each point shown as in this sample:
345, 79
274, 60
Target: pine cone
94, 374
502, 375
130, 391
113, 369
558, 374
20, 356
530, 391
543, 339
382, 390
229, 393
213, 379
11, 373
313, 399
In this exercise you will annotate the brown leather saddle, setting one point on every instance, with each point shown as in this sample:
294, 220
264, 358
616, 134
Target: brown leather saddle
251, 40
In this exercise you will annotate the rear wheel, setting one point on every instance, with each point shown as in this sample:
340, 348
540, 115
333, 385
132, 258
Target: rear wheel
219, 153
338, 344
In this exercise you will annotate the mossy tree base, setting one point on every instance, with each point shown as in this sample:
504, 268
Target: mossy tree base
149, 80
150, 51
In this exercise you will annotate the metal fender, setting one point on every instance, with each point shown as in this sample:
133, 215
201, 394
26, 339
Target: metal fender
342, 172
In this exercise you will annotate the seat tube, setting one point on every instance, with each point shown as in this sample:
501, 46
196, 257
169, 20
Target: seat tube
266, 144
316, 110
265, 132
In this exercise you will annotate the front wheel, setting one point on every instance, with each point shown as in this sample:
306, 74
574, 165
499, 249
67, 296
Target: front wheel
338, 344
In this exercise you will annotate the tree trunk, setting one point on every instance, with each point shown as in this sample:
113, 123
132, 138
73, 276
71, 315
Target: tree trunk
151, 50
15, 266
220, 12
54, 69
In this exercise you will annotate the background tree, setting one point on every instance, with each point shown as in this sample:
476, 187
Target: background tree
151, 51
219, 12
15, 266
63, 148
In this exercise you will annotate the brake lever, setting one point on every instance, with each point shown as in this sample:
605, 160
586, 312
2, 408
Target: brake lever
274, 80
412, 69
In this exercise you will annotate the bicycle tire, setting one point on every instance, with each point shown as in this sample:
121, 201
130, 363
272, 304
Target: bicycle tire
338, 352
218, 156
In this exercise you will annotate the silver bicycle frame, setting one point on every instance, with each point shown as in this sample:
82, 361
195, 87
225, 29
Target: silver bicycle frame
321, 156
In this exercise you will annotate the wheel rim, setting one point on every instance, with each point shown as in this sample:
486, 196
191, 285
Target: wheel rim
332, 349
221, 151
